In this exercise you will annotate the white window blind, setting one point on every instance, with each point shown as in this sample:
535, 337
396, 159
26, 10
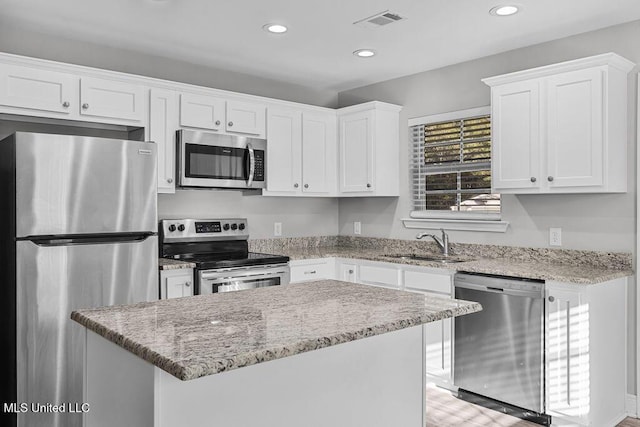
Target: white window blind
451, 169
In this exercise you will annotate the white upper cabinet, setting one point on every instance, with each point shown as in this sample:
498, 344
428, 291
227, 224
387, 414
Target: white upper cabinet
112, 99
561, 128
284, 151
199, 111
246, 117
163, 122
39, 90
221, 115
301, 153
369, 150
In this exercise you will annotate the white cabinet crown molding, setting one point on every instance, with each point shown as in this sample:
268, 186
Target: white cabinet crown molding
611, 59
378, 105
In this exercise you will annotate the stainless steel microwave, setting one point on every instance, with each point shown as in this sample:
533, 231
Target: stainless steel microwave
211, 160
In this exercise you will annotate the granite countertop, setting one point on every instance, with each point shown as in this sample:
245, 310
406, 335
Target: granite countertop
562, 271
173, 264
197, 336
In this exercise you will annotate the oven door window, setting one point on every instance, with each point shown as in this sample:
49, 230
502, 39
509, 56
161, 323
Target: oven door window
215, 162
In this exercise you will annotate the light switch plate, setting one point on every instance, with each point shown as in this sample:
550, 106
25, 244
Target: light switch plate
357, 227
555, 237
277, 229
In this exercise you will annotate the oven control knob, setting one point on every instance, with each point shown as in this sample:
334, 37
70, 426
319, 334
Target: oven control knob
234, 226
225, 227
241, 226
181, 227
172, 227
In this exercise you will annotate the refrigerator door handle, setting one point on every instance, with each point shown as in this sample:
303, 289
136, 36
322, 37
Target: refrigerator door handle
89, 240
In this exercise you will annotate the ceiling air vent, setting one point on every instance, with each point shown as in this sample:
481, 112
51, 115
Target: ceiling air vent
380, 19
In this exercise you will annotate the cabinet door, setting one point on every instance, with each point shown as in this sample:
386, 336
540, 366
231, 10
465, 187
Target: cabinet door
318, 153
357, 152
284, 151
516, 142
246, 117
163, 123
205, 112
35, 89
567, 353
111, 99
347, 273
574, 129
176, 283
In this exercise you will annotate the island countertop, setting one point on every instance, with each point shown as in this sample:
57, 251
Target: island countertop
193, 337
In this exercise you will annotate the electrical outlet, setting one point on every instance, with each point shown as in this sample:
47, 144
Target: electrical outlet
357, 227
277, 229
555, 236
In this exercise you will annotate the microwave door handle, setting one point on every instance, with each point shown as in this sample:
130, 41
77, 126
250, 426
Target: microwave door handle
252, 164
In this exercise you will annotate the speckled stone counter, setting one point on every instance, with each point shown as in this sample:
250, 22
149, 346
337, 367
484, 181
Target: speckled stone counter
197, 336
562, 265
173, 264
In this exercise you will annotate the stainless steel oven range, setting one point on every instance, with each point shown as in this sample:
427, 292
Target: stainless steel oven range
220, 251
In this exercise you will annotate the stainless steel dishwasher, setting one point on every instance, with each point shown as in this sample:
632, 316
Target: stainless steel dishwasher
499, 351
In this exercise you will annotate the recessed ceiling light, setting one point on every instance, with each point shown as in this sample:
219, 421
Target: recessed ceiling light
275, 28
505, 10
364, 53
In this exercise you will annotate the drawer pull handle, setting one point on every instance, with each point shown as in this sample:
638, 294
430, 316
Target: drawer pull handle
310, 272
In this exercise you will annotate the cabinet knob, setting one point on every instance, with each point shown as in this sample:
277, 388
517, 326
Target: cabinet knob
187, 284
350, 271
66, 104
551, 298
85, 106
368, 185
217, 122
295, 185
534, 179
549, 178
230, 124
306, 186
169, 180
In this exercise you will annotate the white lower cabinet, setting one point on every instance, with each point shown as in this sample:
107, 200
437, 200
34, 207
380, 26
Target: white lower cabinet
586, 353
176, 283
379, 274
347, 271
312, 269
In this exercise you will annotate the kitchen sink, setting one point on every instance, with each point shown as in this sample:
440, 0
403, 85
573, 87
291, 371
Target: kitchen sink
432, 258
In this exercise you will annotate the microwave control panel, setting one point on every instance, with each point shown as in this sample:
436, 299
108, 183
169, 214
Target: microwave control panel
259, 168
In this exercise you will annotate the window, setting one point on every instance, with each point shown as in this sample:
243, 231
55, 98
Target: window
451, 166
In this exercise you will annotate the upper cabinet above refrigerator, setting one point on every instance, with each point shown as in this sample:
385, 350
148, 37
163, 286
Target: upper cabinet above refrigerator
561, 128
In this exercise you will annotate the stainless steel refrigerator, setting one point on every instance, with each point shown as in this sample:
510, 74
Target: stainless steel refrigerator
77, 229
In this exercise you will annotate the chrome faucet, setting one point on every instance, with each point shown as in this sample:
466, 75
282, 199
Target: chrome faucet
443, 242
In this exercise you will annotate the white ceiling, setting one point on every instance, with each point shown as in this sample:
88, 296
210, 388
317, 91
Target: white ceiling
317, 49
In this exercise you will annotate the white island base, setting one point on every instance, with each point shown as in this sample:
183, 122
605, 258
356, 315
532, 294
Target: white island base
377, 381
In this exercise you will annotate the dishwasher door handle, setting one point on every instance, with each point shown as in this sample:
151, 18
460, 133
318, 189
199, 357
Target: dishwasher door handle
498, 290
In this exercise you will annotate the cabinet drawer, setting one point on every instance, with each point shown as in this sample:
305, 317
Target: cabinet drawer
427, 282
310, 270
380, 276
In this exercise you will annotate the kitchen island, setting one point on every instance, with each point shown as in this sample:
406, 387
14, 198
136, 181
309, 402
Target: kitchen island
337, 353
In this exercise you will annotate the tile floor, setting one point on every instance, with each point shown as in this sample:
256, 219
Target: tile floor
444, 410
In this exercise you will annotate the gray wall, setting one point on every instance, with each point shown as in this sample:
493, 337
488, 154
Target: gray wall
597, 222
299, 217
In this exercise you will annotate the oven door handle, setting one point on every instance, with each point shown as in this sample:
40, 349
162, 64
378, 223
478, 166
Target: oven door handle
252, 164
216, 277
